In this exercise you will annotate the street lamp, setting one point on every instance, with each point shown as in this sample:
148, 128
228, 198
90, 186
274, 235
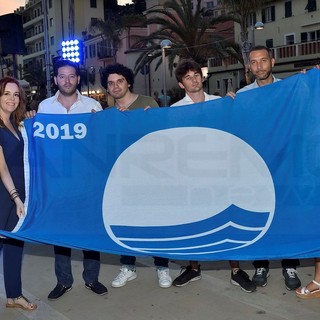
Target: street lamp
258, 26
165, 44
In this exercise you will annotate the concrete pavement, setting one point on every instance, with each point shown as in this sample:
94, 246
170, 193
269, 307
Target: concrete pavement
212, 297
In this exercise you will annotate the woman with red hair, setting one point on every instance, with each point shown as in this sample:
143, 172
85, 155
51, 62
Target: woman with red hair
12, 188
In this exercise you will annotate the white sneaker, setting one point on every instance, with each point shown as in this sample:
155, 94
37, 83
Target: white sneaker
123, 277
165, 280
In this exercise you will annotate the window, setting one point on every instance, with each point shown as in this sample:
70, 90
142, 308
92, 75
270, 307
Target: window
210, 5
52, 40
104, 49
51, 22
288, 9
252, 19
50, 4
92, 50
93, 3
289, 39
304, 37
310, 36
311, 6
268, 14
269, 43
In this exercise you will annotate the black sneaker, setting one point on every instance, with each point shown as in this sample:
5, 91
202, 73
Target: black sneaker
291, 278
97, 288
187, 276
241, 278
260, 277
58, 291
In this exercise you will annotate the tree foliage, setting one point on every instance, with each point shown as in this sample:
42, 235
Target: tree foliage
191, 31
113, 29
35, 75
239, 11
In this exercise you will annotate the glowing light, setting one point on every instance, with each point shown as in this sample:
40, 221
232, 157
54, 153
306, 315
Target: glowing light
72, 50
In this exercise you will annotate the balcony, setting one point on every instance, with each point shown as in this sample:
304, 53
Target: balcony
104, 54
29, 38
282, 54
297, 50
219, 62
31, 20
31, 54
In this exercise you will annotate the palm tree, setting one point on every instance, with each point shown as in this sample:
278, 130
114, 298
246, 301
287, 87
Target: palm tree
191, 32
240, 11
35, 75
111, 31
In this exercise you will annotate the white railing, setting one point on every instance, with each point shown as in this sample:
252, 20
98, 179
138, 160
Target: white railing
280, 52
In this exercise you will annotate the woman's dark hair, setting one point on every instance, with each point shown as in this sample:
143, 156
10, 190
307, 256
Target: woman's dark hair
19, 114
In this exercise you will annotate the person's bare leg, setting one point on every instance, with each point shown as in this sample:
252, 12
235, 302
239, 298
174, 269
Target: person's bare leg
194, 264
311, 286
234, 265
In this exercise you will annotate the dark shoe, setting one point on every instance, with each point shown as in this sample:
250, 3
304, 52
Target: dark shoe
187, 276
260, 277
97, 288
241, 278
58, 291
291, 278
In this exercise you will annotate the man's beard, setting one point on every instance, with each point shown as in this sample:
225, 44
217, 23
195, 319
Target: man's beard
69, 92
264, 77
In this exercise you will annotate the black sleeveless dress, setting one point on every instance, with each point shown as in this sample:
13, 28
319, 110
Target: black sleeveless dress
13, 152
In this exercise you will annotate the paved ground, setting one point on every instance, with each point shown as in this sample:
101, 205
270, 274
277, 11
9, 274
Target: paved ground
213, 297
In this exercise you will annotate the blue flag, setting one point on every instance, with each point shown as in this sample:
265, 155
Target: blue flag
221, 180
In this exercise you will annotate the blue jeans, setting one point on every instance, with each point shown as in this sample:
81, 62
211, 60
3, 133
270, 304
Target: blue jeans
91, 266
130, 262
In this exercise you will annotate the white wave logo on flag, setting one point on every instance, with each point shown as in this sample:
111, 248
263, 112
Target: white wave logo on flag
210, 189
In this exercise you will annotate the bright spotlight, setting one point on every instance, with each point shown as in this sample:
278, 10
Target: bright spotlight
72, 50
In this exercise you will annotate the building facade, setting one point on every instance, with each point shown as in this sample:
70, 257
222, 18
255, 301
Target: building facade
46, 23
291, 30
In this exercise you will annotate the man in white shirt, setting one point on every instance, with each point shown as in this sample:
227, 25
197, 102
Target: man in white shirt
189, 76
68, 100
261, 63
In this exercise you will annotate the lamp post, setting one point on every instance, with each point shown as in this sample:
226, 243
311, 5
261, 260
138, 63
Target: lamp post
165, 44
258, 26
204, 71
90, 70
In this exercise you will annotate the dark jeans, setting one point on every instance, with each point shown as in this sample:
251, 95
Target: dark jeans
12, 261
130, 261
91, 266
285, 263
